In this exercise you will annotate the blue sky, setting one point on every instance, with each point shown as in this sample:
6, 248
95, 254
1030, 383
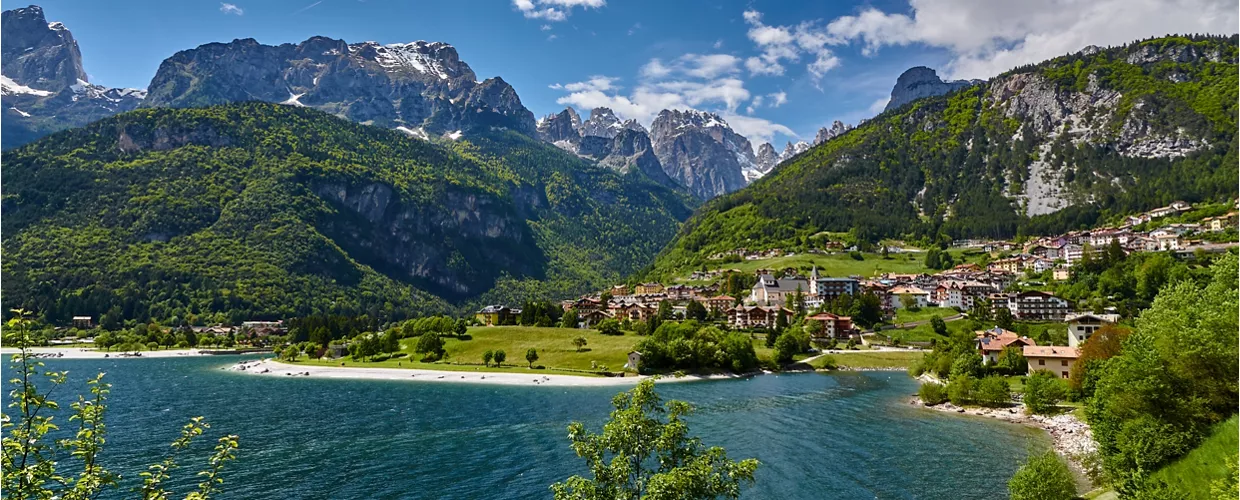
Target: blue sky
776, 70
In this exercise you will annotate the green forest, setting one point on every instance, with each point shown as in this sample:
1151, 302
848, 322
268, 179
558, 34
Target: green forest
262, 211
946, 167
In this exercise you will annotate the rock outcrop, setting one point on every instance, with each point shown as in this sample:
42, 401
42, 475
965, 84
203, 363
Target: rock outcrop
825, 134
920, 81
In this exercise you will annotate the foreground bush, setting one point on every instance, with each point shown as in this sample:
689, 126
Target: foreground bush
1043, 477
932, 394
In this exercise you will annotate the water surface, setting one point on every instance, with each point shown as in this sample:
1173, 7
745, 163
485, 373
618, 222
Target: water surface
849, 435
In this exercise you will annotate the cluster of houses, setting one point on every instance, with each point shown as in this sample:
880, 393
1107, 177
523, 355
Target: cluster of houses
1058, 253
1056, 359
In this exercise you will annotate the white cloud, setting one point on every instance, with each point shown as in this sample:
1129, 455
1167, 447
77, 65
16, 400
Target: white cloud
789, 43
545, 27
635, 27
705, 66
552, 37
987, 37
778, 98
553, 10
597, 82
879, 105
757, 130
229, 8
718, 44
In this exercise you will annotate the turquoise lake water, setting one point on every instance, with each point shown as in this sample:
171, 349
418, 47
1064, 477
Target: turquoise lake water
838, 436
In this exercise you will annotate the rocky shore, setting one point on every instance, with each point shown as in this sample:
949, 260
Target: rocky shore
1071, 437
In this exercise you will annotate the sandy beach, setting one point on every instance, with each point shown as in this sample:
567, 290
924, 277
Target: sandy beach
270, 367
85, 353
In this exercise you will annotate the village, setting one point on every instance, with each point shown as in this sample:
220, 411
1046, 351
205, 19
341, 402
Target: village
960, 289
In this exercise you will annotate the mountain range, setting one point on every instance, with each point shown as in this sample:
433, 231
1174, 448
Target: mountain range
252, 180
1041, 149
421, 88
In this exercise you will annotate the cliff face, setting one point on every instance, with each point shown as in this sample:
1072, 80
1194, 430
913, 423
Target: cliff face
920, 82
701, 152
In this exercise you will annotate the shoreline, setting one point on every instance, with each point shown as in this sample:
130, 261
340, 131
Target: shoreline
91, 353
270, 367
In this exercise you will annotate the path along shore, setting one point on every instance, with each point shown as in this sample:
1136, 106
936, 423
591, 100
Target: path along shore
271, 367
90, 353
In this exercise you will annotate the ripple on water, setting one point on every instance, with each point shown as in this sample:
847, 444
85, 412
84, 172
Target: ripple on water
837, 436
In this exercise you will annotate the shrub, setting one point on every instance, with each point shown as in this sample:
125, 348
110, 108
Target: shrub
609, 327
993, 391
1043, 390
932, 394
1043, 477
960, 389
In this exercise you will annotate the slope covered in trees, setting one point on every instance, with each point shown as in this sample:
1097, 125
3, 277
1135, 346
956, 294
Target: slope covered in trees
1040, 149
263, 211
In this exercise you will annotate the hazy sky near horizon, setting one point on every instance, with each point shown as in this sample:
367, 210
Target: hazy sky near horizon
775, 70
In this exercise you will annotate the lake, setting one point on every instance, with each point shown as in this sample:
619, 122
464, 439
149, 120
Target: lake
837, 436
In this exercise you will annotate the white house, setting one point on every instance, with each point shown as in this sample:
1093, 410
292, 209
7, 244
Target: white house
920, 298
1083, 326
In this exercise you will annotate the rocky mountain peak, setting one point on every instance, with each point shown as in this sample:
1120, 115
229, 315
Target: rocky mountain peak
918, 82
793, 149
701, 152
37, 54
560, 128
602, 123
42, 83
416, 85
825, 134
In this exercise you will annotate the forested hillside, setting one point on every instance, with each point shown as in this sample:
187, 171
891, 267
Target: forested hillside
1040, 149
262, 211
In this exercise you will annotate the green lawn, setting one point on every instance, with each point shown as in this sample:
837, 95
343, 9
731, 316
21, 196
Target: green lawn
871, 359
555, 350
841, 264
923, 314
1192, 474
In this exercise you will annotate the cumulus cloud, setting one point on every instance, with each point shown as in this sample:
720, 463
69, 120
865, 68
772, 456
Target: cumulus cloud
774, 100
553, 10
789, 43
706, 66
757, 130
229, 8
987, 37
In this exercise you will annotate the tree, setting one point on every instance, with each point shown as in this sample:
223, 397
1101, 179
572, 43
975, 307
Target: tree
993, 391
1004, 319
531, 356
430, 342
609, 327
579, 342
487, 357
1043, 390
665, 310
1012, 361
789, 344
29, 469
569, 319
695, 310
909, 302
1043, 477
500, 356
1104, 344
960, 389
869, 310
290, 353
1174, 378
969, 363
461, 327
771, 336
645, 451
939, 326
